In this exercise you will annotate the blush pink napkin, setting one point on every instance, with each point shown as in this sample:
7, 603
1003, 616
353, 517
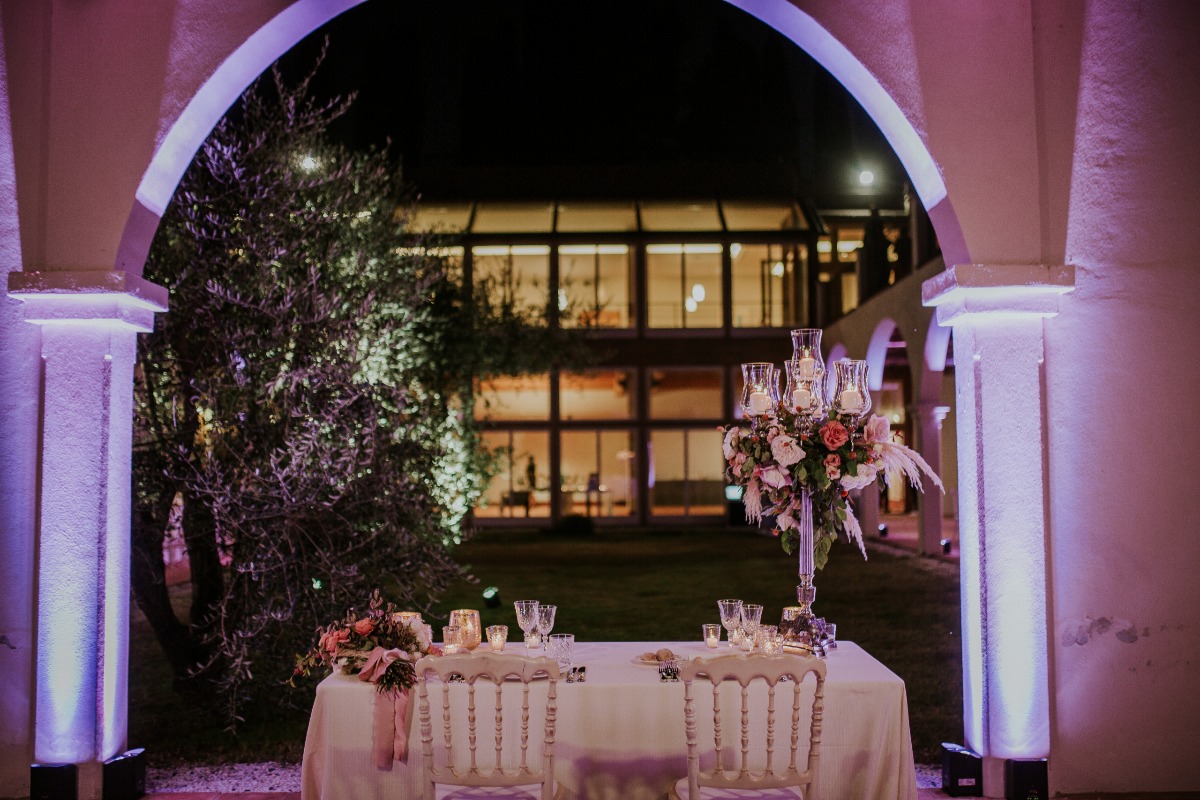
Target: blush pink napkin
389, 728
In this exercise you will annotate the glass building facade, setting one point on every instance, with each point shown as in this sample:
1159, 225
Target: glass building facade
675, 295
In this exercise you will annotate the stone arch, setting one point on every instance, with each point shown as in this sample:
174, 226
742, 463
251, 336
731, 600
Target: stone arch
877, 348
302, 17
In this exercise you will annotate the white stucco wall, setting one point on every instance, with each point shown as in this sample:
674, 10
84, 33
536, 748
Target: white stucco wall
1121, 382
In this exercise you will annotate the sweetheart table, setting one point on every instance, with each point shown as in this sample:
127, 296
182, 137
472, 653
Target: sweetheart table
620, 735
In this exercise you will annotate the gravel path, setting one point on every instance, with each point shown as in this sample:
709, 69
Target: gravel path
275, 777
269, 776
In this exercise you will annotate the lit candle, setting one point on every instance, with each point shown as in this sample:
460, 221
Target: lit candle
801, 398
497, 637
806, 368
851, 399
759, 402
712, 635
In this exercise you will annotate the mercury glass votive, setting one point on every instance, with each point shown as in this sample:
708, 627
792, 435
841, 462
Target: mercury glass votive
712, 635
468, 620
408, 617
497, 637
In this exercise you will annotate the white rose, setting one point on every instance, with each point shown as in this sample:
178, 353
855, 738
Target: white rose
786, 450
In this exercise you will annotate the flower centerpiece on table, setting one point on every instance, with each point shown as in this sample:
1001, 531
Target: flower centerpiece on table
780, 455
386, 641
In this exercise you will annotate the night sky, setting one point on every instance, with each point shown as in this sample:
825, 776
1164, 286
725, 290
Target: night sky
636, 98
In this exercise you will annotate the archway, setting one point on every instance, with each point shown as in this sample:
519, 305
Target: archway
283, 31
287, 28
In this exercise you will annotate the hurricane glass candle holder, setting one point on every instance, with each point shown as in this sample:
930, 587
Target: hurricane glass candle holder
760, 388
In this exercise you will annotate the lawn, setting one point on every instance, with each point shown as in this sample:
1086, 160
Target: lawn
625, 585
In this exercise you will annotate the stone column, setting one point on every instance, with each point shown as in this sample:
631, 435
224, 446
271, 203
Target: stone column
866, 508
928, 417
89, 324
998, 313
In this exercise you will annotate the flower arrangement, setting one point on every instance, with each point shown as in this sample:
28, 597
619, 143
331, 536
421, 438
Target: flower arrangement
381, 640
781, 455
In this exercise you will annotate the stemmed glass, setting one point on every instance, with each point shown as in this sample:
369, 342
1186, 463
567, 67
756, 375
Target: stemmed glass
527, 620
751, 617
731, 617
545, 621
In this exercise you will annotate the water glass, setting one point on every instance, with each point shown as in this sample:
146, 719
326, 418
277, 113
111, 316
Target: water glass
751, 618
559, 648
770, 642
731, 617
712, 635
830, 635
497, 636
527, 620
545, 621
451, 639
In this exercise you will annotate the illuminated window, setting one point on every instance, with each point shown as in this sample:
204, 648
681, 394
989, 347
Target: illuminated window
761, 216
594, 285
587, 217
687, 472
519, 274
596, 394
521, 486
599, 476
513, 218
506, 399
764, 284
446, 218
685, 393
683, 285
701, 216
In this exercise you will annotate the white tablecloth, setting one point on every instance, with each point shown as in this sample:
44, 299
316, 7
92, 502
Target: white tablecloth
620, 735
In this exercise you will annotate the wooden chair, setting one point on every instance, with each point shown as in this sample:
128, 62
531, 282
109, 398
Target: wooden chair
486, 668
782, 776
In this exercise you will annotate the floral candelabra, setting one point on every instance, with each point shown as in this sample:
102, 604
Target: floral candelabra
801, 456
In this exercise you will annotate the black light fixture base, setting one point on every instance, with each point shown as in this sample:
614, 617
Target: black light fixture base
962, 771
53, 782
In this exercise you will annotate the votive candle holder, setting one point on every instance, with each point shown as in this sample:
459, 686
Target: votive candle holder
712, 635
497, 637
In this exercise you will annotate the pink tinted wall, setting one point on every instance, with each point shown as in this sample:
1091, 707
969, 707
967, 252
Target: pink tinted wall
1122, 387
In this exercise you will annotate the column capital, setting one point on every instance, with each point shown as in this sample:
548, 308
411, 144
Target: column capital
113, 297
970, 292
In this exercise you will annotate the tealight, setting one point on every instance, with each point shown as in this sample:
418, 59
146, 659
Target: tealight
497, 637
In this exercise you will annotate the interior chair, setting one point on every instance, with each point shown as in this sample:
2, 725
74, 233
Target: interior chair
782, 776
533, 777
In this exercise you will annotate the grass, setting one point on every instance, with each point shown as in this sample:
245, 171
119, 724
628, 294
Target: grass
656, 585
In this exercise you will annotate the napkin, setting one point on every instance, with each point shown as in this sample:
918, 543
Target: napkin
392, 713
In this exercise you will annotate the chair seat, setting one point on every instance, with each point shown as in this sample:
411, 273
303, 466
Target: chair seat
531, 791
680, 792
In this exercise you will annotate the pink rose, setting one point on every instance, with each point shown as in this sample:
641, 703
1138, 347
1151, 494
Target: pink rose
834, 435
773, 477
364, 627
877, 430
832, 463
331, 640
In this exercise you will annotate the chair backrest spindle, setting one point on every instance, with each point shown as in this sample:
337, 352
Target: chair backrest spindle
746, 671
477, 669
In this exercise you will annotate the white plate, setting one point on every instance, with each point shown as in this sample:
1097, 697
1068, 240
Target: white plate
679, 659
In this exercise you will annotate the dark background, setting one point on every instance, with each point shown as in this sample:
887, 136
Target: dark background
485, 98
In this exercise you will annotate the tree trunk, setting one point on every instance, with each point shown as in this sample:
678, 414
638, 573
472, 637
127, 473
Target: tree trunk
149, 581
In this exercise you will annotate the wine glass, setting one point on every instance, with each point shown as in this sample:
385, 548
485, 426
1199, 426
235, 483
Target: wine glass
731, 617
545, 621
527, 620
751, 617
